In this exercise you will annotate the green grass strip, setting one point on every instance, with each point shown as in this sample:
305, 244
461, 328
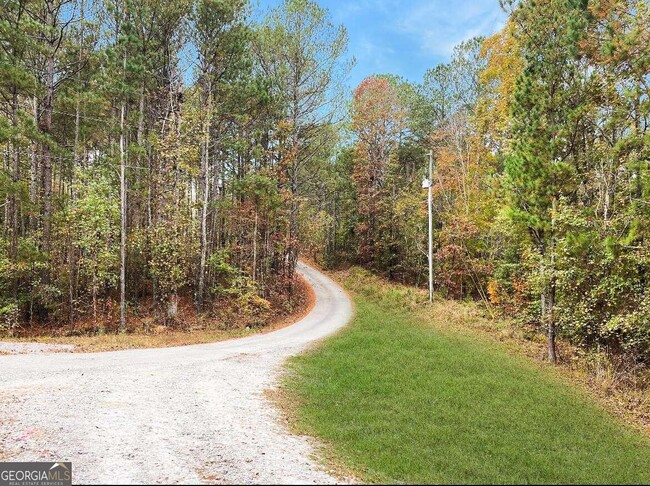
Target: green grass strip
398, 401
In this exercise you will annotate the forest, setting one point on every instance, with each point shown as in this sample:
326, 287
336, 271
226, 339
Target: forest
159, 156
154, 153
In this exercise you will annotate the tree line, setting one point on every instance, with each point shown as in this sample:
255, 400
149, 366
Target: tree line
542, 184
155, 153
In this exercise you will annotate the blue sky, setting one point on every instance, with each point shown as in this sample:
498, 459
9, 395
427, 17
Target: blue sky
408, 37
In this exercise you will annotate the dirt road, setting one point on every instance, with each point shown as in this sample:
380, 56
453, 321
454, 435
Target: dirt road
193, 414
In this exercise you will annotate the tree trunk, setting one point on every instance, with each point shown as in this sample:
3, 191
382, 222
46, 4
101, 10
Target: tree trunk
13, 206
122, 223
292, 254
550, 291
551, 326
123, 215
255, 246
94, 284
34, 193
46, 128
205, 188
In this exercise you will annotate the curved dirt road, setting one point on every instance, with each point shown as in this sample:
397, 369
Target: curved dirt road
193, 414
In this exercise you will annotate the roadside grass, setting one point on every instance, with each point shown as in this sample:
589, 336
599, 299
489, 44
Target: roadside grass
398, 399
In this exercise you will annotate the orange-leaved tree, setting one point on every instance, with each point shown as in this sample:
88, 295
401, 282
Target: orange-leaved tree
378, 121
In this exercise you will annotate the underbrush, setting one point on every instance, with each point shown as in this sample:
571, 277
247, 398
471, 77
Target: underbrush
148, 326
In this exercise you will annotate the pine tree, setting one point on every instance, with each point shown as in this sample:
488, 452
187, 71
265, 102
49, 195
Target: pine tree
221, 38
541, 169
300, 51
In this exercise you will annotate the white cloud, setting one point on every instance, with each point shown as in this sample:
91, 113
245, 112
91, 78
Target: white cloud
378, 55
437, 26
407, 37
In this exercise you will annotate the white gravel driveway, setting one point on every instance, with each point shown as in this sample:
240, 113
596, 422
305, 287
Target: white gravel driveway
193, 414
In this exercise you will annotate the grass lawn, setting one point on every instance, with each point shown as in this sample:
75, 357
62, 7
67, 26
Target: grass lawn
397, 399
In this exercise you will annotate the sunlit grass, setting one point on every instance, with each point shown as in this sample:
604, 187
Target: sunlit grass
399, 400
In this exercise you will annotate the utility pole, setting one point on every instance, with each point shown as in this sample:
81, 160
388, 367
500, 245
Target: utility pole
428, 184
430, 225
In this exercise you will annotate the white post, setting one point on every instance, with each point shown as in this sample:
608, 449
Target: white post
431, 226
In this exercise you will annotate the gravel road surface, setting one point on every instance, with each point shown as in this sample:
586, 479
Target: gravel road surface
193, 414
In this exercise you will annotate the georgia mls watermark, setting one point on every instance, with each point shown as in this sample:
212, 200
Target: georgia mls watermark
35, 473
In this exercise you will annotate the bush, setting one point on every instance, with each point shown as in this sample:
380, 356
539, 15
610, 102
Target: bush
237, 296
9, 317
632, 330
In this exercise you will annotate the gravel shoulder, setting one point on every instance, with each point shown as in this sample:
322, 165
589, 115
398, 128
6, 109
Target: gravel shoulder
12, 347
192, 414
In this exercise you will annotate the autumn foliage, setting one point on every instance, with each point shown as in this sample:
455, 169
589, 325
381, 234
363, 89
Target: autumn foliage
378, 120
540, 140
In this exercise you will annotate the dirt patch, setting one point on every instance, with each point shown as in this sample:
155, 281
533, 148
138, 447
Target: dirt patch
26, 348
304, 301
